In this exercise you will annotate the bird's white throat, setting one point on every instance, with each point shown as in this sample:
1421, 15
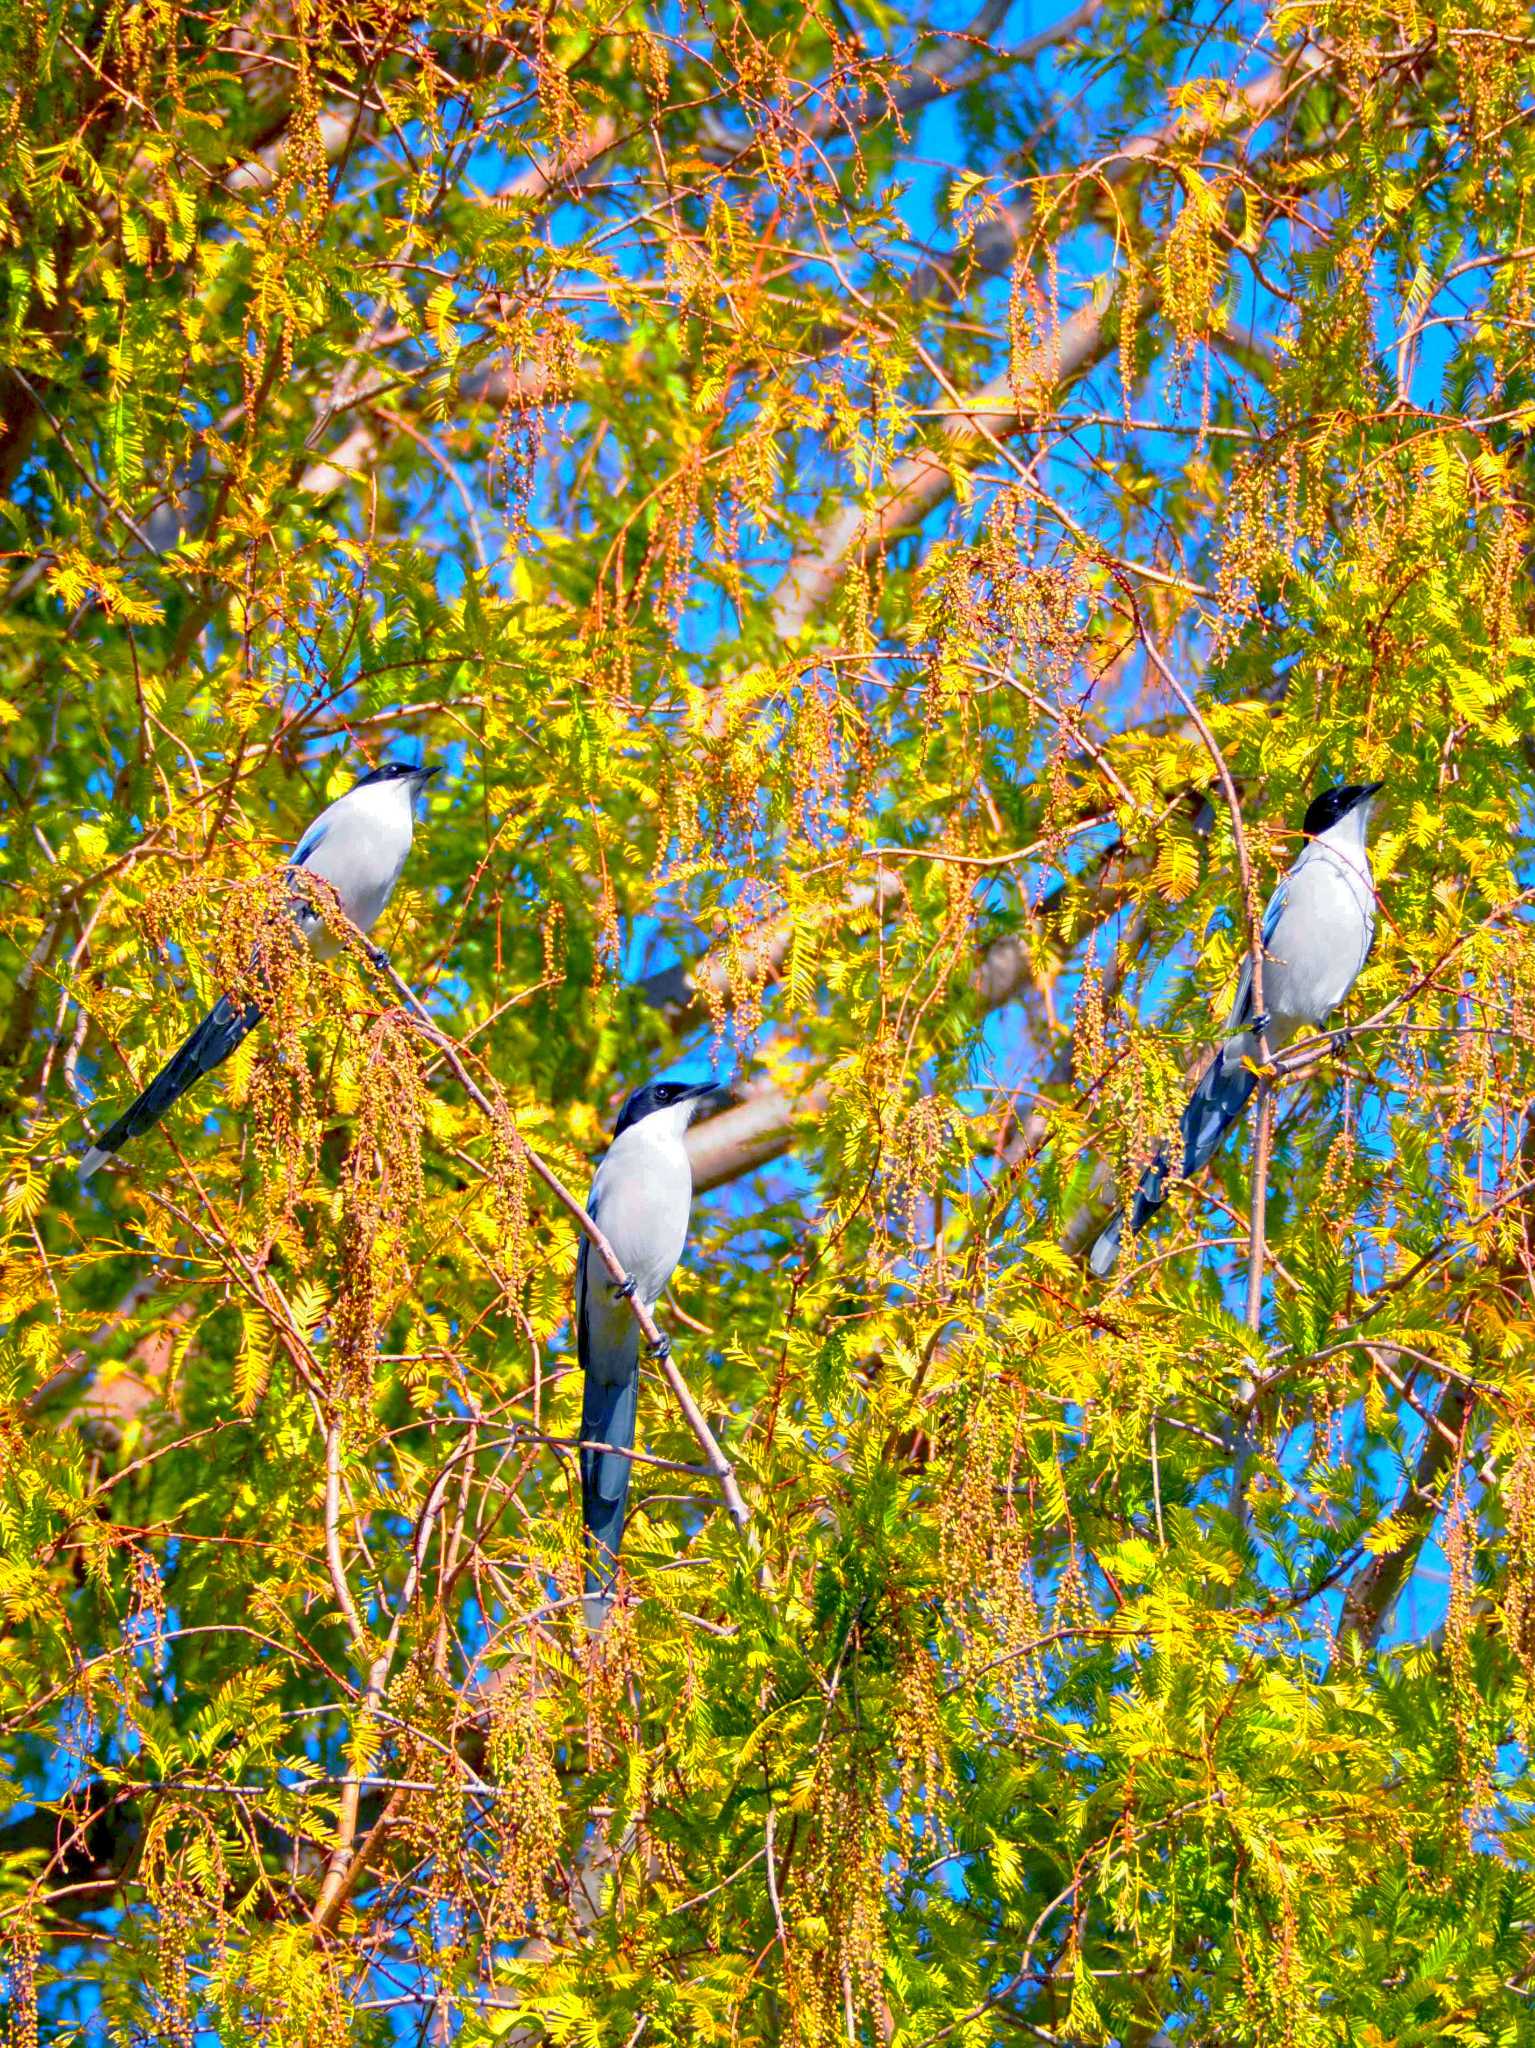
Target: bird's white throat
1346, 841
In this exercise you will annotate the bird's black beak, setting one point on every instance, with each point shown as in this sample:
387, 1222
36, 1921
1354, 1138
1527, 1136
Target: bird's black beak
1369, 789
701, 1091
424, 774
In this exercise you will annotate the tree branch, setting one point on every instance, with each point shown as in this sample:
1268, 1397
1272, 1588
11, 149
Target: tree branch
919, 481
760, 1128
1371, 1595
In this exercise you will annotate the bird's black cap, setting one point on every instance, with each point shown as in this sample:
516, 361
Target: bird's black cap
1333, 804
398, 771
661, 1095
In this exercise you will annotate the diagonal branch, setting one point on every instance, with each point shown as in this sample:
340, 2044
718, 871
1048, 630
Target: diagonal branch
1371, 1595
687, 992
922, 479
760, 1128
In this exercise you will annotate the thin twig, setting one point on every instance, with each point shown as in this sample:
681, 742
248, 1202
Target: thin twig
334, 1886
772, 1878
333, 1557
118, 512
1233, 805
1303, 1053
1012, 1981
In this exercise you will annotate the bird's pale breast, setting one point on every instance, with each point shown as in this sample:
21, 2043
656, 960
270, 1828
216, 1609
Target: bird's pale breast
361, 851
643, 1192
1321, 941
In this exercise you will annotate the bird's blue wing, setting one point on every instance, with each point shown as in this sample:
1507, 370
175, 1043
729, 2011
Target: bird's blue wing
583, 1333
1241, 1008
1275, 911
310, 841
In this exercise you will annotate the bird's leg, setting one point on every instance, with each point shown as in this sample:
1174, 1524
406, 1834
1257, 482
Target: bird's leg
1340, 1042
1258, 1028
379, 957
662, 1347
624, 1292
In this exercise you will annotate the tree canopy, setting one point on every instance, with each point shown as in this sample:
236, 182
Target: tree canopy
886, 518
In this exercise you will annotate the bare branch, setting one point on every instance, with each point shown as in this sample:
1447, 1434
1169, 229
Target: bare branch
921, 480
687, 992
1370, 1596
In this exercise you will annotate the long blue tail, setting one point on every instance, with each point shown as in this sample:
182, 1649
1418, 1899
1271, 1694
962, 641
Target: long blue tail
609, 1411
209, 1045
1224, 1091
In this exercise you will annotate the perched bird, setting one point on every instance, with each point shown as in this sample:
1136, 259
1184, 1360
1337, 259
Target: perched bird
640, 1199
1317, 934
358, 844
